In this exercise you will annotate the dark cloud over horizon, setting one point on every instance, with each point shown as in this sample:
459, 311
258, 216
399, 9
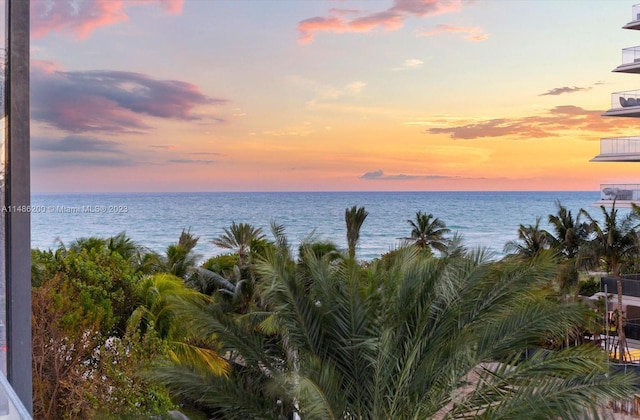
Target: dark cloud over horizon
79, 160
75, 144
77, 151
109, 101
380, 175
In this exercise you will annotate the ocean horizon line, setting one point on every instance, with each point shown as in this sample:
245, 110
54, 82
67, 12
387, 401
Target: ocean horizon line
486, 218
306, 192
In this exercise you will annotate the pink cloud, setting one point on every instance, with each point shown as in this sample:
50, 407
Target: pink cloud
390, 19
308, 26
565, 89
387, 20
471, 33
555, 122
80, 19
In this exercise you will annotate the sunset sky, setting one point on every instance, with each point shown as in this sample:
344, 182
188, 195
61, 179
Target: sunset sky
315, 95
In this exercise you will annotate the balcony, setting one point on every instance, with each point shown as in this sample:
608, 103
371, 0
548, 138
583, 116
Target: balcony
623, 194
630, 61
624, 104
635, 18
11, 407
619, 149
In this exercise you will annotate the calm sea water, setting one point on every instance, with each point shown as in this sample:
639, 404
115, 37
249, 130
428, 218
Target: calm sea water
155, 220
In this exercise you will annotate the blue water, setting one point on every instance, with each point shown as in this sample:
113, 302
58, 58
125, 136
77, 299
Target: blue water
155, 220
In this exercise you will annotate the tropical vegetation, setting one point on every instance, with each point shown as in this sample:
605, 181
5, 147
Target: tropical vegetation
428, 232
268, 331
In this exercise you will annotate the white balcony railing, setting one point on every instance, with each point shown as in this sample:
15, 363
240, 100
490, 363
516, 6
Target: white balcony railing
630, 55
635, 12
626, 99
620, 145
11, 407
620, 192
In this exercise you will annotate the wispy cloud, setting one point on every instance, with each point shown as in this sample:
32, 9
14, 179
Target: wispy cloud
80, 18
162, 146
469, 33
390, 19
564, 89
78, 151
299, 130
324, 92
550, 124
205, 153
109, 101
192, 161
79, 160
380, 175
75, 144
409, 64
356, 87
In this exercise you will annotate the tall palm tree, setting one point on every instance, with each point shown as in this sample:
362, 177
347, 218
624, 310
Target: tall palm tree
614, 241
354, 218
239, 238
531, 241
428, 232
180, 257
569, 234
419, 340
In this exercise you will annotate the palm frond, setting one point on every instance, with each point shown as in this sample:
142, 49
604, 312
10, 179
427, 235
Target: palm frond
202, 359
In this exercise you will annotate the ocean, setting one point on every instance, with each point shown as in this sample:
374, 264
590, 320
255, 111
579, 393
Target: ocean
155, 220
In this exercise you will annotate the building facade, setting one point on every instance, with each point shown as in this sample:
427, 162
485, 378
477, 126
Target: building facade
623, 149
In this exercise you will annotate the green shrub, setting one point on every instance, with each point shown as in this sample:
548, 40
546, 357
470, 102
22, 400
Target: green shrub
589, 287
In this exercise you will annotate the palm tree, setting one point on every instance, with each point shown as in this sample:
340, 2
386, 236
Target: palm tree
123, 245
87, 244
427, 232
568, 237
156, 295
354, 218
180, 257
419, 340
531, 241
615, 241
141, 259
570, 232
239, 238
234, 286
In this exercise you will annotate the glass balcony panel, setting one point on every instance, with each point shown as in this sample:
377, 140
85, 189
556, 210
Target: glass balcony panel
620, 146
620, 192
626, 99
635, 12
635, 18
631, 55
11, 408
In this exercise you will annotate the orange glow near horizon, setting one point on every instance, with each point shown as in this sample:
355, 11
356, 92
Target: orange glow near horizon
437, 96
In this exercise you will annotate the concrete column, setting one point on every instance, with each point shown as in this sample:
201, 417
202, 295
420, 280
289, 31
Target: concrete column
18, 193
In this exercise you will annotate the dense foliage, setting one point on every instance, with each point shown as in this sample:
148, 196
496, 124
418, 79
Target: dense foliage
84, 358
261, 332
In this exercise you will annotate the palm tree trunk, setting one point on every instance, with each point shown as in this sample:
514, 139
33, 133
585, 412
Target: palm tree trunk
622, 341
